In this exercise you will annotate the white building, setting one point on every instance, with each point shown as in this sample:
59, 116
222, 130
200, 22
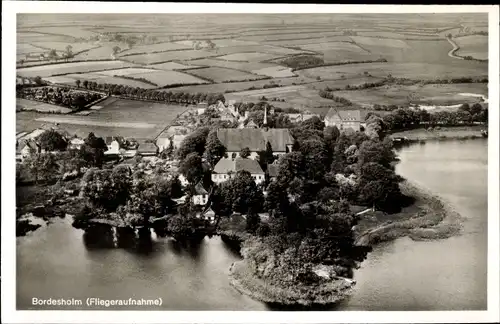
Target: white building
76, 143
226, 168
200, 196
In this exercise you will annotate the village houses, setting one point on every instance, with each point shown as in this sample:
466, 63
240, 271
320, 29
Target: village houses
25, 148
226, 168
114, 144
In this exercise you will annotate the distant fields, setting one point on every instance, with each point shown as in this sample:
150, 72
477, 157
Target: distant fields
66, 68
246, 58
431, 94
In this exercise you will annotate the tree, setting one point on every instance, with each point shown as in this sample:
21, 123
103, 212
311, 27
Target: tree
266, 157
93, 150
53, 54
245, 152
214, 150
193, 143
375, 127
252, 223
191, 167
85, 84
52, 141
38, 80
116, 49
77, 82
42, 166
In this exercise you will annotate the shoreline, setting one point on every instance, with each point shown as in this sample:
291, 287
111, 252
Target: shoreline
432, 218
445, 133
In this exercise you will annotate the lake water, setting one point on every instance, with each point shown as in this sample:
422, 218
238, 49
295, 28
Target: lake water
53, 262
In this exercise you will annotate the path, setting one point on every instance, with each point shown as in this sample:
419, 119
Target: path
451, 53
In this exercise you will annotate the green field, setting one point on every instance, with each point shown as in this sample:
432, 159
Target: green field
474, 45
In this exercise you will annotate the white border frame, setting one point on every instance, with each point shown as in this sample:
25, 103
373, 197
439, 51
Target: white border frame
8, 253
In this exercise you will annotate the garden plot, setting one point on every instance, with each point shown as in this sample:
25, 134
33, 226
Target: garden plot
217, 74
169, 66
67, 68
153, 48
168, 78
475, 46
169, 56
249, 57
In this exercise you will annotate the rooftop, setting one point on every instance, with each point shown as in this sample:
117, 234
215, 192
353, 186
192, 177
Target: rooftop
226, 165
235, 139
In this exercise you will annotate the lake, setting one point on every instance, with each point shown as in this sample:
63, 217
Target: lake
54, 262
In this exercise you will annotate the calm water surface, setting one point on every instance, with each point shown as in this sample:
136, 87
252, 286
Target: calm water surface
450, 274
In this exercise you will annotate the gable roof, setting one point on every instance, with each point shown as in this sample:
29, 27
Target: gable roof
345, 115
226, 165
27, 143
199, 189
235, 139
110, 139
147, 148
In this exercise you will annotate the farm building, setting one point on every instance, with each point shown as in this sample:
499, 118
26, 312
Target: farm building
76, 143
344, 119
147, 149
114, 144
208, 215
235, 139
25, 148
251, 124
163, 143
200, 196
227, 167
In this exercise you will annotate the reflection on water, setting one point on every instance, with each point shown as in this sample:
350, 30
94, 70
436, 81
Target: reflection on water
59, 261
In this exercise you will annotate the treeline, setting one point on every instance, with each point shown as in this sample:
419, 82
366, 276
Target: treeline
154, 95
143, 80
75, 100
330, 95
409, 118
310, 61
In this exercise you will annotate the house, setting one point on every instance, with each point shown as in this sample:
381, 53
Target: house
147, 149
184, 182
163, 143
177, 140
25, 148
226, 168
114, 144
345, 119
208, 215
201, 108
76, 143
251, 124
297, 118
235, 139
200, 196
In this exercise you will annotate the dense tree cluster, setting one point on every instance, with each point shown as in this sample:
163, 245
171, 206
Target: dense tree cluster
155, 95
75, 100
330, 95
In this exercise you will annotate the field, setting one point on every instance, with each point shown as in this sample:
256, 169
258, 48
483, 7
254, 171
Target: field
67, 68
249, 57
127, 118
160, 47
341, 52
236, 65
249, 47
168, 78
423, 71
169, 56
219, 75
168, 66
475, 46
431, 94
30, 105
